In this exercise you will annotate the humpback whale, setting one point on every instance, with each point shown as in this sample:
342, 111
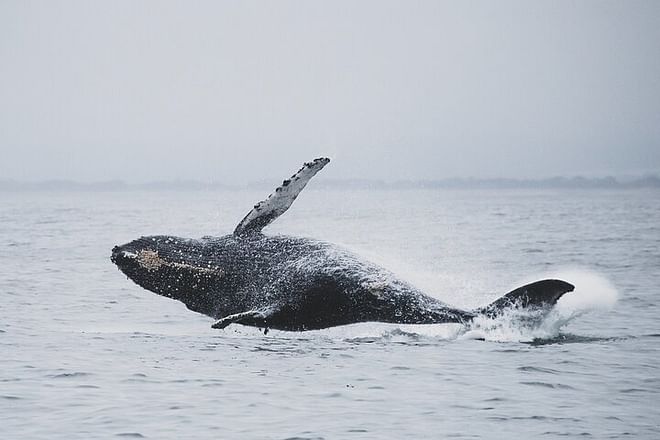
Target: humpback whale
293, 283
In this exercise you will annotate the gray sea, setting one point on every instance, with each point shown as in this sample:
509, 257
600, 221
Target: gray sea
85, 353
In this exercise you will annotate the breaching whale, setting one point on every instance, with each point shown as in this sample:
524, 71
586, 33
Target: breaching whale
291, 283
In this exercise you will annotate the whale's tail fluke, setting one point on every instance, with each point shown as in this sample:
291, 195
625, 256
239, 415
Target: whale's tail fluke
538, 295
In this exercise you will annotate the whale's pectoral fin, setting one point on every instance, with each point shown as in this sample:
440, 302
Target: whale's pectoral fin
251, 317
278, 202
540, 294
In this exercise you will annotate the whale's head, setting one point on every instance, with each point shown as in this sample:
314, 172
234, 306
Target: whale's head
169, 266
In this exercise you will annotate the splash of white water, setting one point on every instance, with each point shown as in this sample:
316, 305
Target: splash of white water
593, 292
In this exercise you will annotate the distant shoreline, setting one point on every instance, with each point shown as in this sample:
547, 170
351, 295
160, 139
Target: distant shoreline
577, 182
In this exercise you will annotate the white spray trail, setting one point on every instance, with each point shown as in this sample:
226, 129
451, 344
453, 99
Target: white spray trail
592, 293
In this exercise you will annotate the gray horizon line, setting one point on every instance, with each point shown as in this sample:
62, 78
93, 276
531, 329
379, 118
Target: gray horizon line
558, 182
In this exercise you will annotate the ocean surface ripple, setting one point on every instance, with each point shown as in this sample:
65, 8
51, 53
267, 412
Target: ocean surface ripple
88, 354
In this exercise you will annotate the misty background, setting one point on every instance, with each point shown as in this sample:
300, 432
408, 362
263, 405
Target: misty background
234, 92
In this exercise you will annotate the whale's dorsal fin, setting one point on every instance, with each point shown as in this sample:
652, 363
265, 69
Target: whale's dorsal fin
279, 201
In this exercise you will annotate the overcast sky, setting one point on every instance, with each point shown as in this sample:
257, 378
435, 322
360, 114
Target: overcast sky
241, 91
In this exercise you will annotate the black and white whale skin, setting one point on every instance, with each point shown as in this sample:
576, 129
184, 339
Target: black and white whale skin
291, 283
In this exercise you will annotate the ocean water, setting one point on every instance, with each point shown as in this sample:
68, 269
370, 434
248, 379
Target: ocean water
85, 353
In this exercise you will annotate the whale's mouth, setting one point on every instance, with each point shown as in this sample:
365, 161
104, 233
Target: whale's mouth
122, 257
145, 258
